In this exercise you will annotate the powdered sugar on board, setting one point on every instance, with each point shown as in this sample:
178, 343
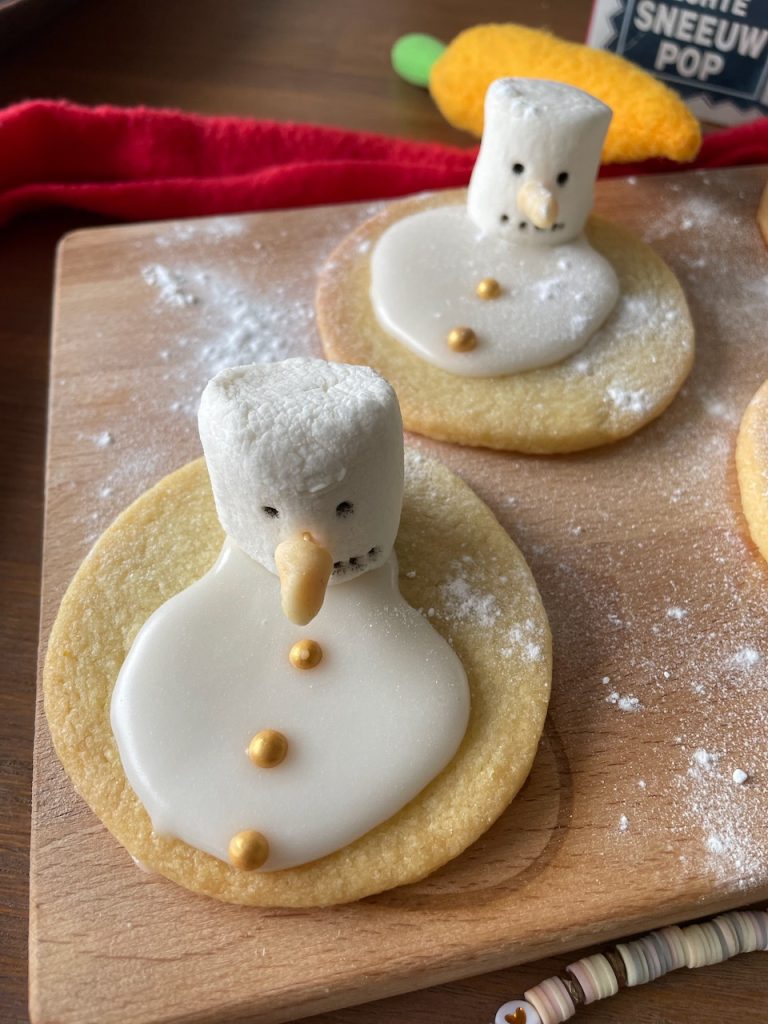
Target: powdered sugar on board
216, 292
656, 600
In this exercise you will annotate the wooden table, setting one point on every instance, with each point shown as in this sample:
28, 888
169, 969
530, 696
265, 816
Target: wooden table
296, 59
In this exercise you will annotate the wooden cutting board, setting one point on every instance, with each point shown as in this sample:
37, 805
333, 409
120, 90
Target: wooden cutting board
657, 599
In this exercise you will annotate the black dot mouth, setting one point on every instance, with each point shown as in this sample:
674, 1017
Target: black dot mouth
523, 225
356, 564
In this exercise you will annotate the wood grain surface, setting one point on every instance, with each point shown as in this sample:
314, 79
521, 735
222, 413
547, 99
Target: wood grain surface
630, 818
298, 60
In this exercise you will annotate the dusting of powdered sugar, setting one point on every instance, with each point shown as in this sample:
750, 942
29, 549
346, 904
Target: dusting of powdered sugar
723, 813
202, 295
746, 658
658, 601
676, 613
172, 289
102, 440
523, 641
226, 322
638, 401
460, 600
209, 231
624, 702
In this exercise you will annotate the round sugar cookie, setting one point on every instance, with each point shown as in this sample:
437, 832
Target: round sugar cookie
752, 467
481, 597
624, 377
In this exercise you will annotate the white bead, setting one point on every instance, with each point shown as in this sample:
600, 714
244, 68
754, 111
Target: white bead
505, 1012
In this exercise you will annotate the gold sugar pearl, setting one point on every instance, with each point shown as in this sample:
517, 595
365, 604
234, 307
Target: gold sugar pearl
248, 850
488, 288
306, 654
462, 339
268, 748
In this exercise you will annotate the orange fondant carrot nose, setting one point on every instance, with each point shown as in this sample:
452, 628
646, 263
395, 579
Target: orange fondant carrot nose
536, 202
304, 568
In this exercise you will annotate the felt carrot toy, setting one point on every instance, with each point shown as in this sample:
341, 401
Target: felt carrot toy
649, 119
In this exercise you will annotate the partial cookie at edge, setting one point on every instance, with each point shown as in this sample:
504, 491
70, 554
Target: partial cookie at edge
752, 467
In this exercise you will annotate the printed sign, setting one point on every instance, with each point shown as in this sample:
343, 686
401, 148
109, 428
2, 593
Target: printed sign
714, 52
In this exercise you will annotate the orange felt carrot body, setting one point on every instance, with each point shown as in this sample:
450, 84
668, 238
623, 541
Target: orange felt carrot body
649, 119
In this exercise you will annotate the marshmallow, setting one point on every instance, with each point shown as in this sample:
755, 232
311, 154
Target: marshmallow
305, 446
538, 160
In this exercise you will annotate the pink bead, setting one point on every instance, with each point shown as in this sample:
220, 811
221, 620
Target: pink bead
584, 978
552, 1001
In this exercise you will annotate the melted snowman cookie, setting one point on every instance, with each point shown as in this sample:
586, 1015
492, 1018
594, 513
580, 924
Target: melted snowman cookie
229, 741
512, 269
337, 737
510, 320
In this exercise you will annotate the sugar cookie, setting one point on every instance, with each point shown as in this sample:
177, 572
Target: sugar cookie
752, 467
169, 537
624, 377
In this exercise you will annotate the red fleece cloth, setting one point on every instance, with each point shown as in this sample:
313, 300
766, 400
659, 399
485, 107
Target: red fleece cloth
140, 164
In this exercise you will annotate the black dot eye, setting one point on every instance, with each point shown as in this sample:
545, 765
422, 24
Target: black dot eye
344, 509
268, 510
517, 168
504, 218
562, 177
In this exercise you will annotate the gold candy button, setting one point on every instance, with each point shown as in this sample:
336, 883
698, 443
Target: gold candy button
306, 654
248, 850
268, 748
462, 339
488, 288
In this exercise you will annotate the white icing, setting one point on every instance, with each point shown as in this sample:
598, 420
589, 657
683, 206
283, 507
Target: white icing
303, 437
367, 729
293, 449
548, 129
424, 271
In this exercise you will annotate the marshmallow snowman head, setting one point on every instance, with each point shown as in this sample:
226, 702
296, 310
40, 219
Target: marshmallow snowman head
534, 175
305, 450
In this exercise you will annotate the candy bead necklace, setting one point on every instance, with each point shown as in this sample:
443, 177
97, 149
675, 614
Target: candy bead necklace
634, 963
